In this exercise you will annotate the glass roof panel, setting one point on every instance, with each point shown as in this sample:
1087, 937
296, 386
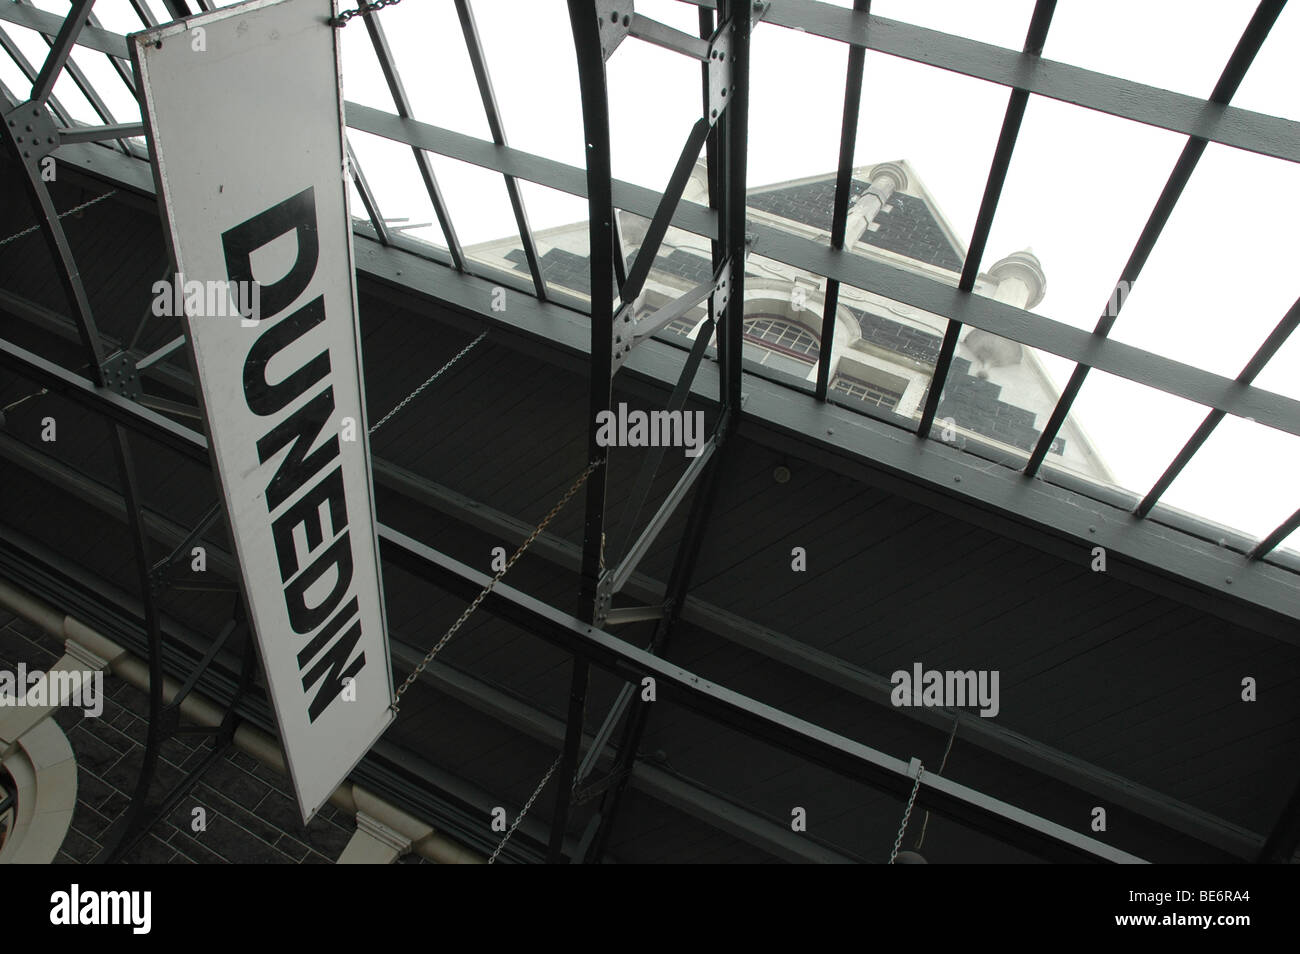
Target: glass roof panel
1282, 374
481, 215
363, 80
394, 178
429, 51
1000, 22
1079, 190
1126, 433
1223, 272
648, 121
1179, 45
1270, 86
543, 113
915, 114
559, 225
1243, 478
794, 114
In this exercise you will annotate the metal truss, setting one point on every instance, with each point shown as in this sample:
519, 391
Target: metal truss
616, 331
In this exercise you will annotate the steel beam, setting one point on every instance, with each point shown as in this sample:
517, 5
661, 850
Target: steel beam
403, 106
1255, 365
801, 738
1241, 128
479, 63
840, 209
870, 687
1234, 72
1015, 114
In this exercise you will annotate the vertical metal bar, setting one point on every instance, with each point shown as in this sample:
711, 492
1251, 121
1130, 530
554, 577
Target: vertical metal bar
1035, 38
733, 131
367, 197
600, 233
60, 49
843, 189
479, 62
403, 106
1248, 374
1252, 38
1270, 542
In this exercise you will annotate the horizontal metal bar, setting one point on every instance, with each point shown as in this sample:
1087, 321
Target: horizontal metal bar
869, 686
1177, 112
101, 133
860, 271
660, 34
780, 729
632, 614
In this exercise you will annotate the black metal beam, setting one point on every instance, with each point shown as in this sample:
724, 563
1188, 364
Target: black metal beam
600, 234
1252, 38
1253, 367
60, 50
781, 730
843, 189
1035, 38
484, 79
402, 104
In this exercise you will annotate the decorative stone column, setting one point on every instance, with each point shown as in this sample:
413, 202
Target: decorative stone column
886, 179
374, 843
1020, 284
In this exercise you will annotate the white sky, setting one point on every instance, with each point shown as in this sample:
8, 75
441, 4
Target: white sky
1080, 186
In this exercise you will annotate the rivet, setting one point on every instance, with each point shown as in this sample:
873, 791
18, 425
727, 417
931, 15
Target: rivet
715, 114
1228, 580
613, 17
956, 479
626, 21
29, 128
51, 140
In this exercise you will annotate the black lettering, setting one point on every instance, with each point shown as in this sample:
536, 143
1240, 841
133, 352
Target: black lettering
304, 618
328, 632
241, 241
331, 669
302, 427
306, 511
265, 398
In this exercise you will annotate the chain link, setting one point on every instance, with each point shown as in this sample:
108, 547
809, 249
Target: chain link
568, 495
72, 211
364, 10
907, 814
436, 375
524, 811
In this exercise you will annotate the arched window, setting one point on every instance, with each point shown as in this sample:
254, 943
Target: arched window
783, 335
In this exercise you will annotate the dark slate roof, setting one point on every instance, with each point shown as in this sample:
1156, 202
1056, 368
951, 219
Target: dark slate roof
908, 228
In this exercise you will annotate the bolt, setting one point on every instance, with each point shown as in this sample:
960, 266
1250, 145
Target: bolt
29, 128
1228, 580
51, 140
626, 21
613, 16
18, 138
956, 480
715, 114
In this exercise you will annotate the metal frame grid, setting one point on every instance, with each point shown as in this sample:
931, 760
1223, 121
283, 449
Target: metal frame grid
599, 26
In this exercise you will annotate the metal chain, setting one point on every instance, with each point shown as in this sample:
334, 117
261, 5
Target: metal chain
364, 10
72, 211
568, 495
951, 736
437, 374
524, 811
906, 814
